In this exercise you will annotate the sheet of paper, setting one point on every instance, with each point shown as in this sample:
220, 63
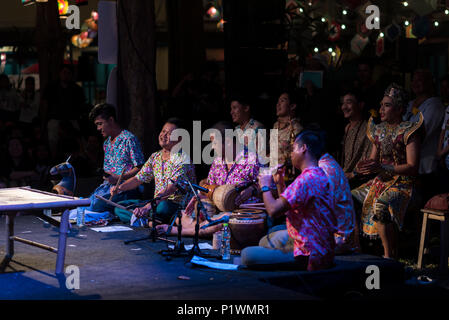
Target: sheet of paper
202, 245
214, 265
111, 229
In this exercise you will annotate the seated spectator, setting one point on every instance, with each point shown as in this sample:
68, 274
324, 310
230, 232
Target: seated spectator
395, 161
443, 145
9, 100
433, 111
29, 103
18, 168
356, 145
288, 127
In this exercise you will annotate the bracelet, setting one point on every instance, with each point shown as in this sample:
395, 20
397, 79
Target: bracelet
389, 168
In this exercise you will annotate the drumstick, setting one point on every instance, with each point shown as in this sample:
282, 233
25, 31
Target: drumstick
118, 182
254, 208
252, 205
118, 205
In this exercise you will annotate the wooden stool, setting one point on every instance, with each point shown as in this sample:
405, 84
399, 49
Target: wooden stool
443, 217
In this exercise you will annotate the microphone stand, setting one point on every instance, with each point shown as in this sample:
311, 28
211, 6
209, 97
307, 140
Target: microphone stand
179, 250
196, 248
153, 233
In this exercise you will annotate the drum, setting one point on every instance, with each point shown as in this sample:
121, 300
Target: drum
209, 205
211, 188
224, 197
247, 228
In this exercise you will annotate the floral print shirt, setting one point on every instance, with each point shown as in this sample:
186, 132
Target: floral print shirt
345, 237
124, 153
244, 169
310, 220
163, 171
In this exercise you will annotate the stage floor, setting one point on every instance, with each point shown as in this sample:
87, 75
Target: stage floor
109, 269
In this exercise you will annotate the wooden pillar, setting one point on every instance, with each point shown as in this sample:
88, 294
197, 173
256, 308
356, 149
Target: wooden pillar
50, 42
136, 76
186, 39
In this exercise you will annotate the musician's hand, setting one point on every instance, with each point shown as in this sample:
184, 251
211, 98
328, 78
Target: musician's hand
161, 229
244, 195
114, 190
279, 175
142, 211
203, 182
112, 178
265, 180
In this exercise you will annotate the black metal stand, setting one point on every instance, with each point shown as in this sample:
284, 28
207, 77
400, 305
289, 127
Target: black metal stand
153, 232
196, 248
179, 250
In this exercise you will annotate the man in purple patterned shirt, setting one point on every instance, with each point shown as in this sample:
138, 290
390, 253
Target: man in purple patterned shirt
227, 168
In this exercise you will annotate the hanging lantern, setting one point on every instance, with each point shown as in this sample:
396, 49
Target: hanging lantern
74, 40
392, 32
334, 31
63, 7
380, 46
220, 25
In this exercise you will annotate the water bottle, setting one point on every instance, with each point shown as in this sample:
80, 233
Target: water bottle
80, 216
226, 243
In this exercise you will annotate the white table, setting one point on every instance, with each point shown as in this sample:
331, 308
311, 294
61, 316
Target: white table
29, 201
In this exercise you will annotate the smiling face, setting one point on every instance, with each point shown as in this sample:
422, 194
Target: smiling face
239, 112
389, 112
164, 136
350, 107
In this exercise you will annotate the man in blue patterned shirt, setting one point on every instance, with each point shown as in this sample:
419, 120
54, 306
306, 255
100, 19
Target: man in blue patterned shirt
122, 154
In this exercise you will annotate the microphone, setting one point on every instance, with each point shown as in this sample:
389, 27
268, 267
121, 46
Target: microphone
224, 219
197, 187
178, 186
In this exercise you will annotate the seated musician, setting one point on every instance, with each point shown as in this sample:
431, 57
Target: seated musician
122, 155
237, 168
164, 167
308, 204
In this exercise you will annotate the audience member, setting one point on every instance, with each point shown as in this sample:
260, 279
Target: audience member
356, 145
9, 100
62, 100
433, 111
288, 126
29, 103
395, 161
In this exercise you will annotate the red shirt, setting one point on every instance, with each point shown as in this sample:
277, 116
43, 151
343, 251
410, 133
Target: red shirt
310, 221
345, 237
